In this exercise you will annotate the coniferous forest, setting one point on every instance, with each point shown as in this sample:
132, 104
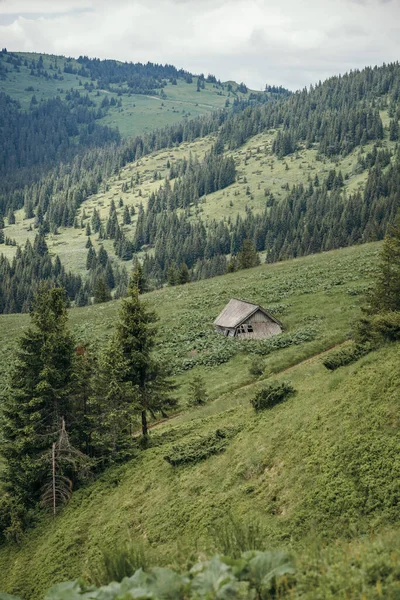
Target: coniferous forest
333, 118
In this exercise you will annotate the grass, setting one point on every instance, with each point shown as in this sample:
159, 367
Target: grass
321, 466
318, 294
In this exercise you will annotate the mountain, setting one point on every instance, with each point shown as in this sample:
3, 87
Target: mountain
295, 174
132, 97
306, 183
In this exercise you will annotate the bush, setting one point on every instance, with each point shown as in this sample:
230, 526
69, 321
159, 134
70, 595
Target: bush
387, 326
274, 393
347, 354
256, 367
232, 536
200, 448
197, 391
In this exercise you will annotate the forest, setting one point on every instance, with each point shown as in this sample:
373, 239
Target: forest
332, 118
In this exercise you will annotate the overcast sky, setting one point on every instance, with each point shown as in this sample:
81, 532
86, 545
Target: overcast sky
288, 42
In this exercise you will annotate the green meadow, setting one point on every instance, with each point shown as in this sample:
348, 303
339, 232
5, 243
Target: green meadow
317, 473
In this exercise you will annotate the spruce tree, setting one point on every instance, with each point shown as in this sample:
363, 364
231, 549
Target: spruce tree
184, 274
39, 396
101, 291
197, 391
386, 294
135, 337
138, 280
248, 257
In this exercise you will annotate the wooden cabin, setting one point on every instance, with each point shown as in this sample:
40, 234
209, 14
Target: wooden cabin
246, 320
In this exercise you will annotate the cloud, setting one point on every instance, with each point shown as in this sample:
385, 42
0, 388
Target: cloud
290, 42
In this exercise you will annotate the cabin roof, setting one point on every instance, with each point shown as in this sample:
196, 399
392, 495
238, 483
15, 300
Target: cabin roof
237, 311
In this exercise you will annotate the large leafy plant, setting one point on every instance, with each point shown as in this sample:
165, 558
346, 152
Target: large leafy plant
253, 576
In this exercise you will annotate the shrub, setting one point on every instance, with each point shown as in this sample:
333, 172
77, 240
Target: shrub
387, 326
274, 393
232, 536
198, 392
200, 448
347, 354
256, 367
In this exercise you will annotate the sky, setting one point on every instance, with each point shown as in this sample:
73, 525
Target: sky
281, 42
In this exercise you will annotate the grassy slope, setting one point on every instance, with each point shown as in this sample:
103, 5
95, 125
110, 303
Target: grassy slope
323, 465
138, 113
254, 172
258, 170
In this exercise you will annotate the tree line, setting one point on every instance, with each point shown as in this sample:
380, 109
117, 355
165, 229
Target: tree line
334, 116
71, 412
32, 265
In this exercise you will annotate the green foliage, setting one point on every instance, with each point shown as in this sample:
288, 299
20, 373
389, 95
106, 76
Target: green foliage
199, 449
256, 367
285, 476
232, 535
248, 256
101, 291
39, 396
386, 294
345, 355
117, 563
273, 393
31, 267
254, 576
197, 391
135, 340
138, 279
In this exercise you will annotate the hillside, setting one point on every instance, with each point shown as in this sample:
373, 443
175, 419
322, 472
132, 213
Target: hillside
296, 174
257, 172
318, 470
134, 98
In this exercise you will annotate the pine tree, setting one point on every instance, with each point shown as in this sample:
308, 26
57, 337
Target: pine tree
393, 130
39, 396
11, 217
101, 291
184, 274
248, 257
172, 275
102, 256
386, 294
138, 280
127, 216
135, 338
197, 391
91, 258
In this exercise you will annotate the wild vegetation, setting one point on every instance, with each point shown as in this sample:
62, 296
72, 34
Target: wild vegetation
177, 210
137, 443
288, 488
